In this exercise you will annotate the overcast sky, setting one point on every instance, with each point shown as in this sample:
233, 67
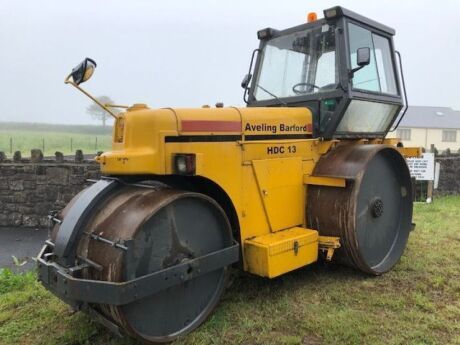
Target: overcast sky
189, 53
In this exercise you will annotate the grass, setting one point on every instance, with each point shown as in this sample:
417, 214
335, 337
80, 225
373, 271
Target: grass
418, 302
51, 138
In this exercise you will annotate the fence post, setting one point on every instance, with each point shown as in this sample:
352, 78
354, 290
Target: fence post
43, 146
11, 145
71, 144
96, 145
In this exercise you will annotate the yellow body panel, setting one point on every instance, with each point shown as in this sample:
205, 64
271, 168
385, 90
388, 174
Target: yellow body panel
275, 254
140, 148
262, 178
217, 163
280, 185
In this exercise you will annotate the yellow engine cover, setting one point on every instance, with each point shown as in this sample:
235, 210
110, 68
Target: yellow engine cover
277, 253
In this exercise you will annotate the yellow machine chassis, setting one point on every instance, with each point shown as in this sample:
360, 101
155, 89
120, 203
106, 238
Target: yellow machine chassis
261, 159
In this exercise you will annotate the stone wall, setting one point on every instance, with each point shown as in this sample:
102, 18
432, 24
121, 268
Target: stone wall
449, 176
30, 189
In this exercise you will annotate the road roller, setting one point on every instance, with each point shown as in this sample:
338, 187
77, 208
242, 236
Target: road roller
303, 173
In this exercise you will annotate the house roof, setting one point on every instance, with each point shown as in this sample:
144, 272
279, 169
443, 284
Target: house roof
431, 117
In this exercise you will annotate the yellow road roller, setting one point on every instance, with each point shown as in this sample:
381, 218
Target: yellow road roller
302, 173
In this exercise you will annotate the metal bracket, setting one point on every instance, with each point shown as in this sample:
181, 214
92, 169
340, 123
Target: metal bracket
58, 279
53, 218
99, 238
328, 244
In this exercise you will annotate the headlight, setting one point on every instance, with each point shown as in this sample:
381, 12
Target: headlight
185, 164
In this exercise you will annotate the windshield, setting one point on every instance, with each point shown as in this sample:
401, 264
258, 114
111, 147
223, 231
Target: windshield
298, 63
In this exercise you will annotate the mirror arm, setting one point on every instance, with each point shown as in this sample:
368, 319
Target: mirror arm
246, 89
116, 106
351, 72
68, 81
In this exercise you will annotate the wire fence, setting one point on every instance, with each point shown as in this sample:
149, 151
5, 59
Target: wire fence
49, 144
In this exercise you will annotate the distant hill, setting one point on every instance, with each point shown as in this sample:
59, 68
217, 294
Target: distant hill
48, 127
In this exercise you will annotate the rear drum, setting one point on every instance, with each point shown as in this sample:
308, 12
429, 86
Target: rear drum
372, 215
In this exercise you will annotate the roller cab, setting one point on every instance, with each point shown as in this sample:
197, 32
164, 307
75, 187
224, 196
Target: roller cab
342, 67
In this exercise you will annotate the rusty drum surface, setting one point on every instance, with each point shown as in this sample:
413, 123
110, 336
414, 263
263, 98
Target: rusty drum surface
372, 214
165, 227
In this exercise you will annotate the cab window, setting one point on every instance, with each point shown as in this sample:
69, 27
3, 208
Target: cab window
378, 76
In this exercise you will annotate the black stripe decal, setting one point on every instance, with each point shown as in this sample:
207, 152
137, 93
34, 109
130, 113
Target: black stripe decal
277, 136
228, 138
202, 138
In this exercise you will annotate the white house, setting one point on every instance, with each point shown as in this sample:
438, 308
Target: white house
424, 126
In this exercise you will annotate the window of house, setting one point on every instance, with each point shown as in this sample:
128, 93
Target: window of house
449, 135
403, 133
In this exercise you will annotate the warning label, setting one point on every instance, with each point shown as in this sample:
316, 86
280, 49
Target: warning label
422, 168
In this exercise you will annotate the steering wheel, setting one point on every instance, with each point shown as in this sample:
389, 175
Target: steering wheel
308, 87
328, 86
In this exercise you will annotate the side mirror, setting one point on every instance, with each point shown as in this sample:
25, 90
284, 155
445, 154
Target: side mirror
246, 80
83, 71
363, 56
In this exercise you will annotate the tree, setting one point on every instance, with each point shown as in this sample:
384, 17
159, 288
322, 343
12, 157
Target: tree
97, 112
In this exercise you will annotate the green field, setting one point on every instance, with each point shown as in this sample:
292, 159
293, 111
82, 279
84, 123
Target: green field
51, 138
418, 302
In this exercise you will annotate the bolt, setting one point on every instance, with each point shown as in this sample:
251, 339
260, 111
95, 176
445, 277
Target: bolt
377, 207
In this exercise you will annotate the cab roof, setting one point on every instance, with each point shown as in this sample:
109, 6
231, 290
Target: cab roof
338, 11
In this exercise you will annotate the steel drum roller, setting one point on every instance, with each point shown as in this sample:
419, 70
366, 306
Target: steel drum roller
164, 227
372, 214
